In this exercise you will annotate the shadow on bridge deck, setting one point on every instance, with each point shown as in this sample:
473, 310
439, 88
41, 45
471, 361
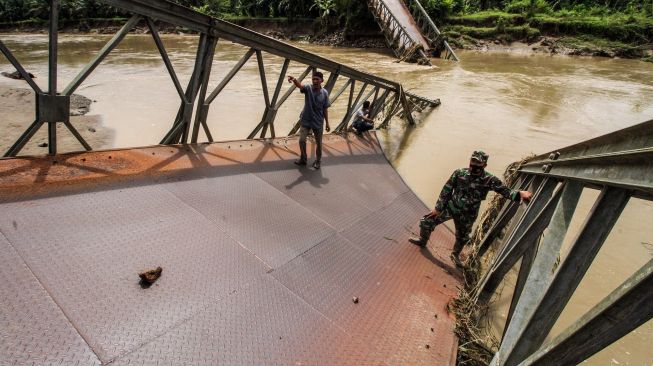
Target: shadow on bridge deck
260, 259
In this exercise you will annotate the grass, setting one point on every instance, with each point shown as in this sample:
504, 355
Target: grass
508, 34
604, 46
607, 34
631, 29
486, 18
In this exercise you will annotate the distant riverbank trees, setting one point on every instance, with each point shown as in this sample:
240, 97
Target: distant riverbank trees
17, 10
626, 21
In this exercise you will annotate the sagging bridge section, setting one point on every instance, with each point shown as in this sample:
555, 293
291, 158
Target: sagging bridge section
389, 98
409, 31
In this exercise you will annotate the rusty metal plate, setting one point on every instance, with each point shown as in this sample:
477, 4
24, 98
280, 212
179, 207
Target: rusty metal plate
87, 250
266, 222
400, 317
384, 236
256, 269
264, 323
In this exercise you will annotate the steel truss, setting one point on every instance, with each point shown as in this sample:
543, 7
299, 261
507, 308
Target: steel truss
620, 165
52, 107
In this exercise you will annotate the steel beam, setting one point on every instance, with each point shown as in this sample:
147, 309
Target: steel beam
5, 51
357, 105
292, 88
202, 107
544, 265
102, 54
179, 15
23, 139
230, 76
621, 312
351, 107
77, 135
526, 234
181, 125
539, 190
524, 269
270, 113
391, 111
506, 214
561, 287
379, 104
620, 159
52, 71
407, 109
166, 59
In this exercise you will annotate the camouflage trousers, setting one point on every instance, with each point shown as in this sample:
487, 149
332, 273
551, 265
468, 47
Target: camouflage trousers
463, 228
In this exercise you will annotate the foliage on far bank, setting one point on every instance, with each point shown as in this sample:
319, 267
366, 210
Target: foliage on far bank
348, 13
626, 21
606, 27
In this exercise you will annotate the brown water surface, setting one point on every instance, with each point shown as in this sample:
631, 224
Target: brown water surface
508, 104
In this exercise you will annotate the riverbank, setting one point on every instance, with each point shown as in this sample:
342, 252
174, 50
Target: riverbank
485, 31
609, 36
17, 111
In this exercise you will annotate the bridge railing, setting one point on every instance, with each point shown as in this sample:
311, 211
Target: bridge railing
620, 165
430, 30
52, 107
402, 44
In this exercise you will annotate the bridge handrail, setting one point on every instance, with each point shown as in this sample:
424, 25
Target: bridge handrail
179, 15
620, 165
52, 107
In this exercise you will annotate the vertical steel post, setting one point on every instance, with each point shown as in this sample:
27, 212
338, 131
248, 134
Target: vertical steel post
202, 110
194, 85
524, 269
181, 125
391, 111
52, 71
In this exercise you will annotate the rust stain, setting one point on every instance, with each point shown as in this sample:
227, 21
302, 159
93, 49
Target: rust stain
67, 173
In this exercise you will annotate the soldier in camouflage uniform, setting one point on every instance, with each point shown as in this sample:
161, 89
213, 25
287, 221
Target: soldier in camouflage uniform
460, 200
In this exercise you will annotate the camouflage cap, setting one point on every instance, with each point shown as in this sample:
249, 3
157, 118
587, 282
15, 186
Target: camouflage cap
480, 156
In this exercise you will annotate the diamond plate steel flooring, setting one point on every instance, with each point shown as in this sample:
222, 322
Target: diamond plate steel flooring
261, 259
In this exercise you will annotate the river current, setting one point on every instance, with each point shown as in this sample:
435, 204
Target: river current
509, 104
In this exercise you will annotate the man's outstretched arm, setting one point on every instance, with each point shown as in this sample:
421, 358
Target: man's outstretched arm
497, 185
292, 79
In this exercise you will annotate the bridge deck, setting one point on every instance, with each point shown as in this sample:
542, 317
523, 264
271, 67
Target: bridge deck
260, 259
403, 15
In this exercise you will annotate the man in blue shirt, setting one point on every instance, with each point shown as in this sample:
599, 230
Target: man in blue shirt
315, 113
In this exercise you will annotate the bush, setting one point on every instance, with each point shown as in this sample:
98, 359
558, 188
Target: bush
438, 9
528, 7
486, 19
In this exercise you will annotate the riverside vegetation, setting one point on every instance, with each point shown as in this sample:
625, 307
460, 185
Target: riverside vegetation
621, 28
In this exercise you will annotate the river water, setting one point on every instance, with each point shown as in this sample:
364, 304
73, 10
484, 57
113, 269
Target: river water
510, 104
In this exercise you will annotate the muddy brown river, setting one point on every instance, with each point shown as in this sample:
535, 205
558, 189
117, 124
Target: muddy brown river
510, 104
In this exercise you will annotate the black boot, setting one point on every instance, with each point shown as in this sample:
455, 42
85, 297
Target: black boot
423, 238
